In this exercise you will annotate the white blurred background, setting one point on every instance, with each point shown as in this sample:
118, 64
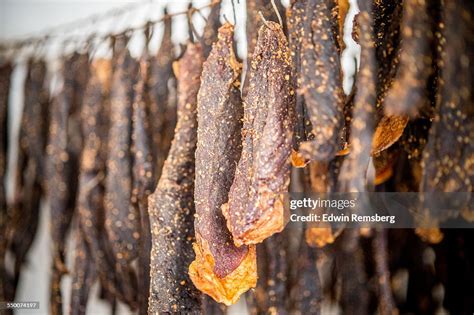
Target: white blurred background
20, 19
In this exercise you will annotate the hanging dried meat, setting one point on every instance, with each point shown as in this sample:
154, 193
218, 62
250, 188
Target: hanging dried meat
321, 80
143, 180
380, 247
307, 291
90, 203
29, 181
448, 158
209, 35
122, 219
162, 108
386, 16
296, 18
83, 274
220, 269
171, 206
254, 20
407, 94
352, 272
6, 285
255, 209
354, 168
64, 149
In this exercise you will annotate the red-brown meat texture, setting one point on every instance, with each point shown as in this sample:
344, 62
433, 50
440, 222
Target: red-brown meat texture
255, 209
171, 206
218, 269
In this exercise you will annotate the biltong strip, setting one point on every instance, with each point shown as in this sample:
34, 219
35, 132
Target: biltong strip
407, 94
353, 170
83, 275
255, 209
307, 292
448, 157
209, 35
171, 206
254, 20
219, 146
380, 247
23, 215
64, 149
122, 219
321, 77
143, 181
90, 203
162, 108
296, 19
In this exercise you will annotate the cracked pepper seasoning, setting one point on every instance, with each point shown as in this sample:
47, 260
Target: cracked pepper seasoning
220, 269
171, 206
321, 80
253, 24
386, 16
296, 18
354, 168
6, 285
64, 149
255, 209
122, 219
448, 158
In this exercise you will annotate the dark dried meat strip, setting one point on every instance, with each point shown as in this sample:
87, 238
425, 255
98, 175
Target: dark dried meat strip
171, 206
321, 80
386, 17
353, 170
162, 111
23, 215
255, 209
380, 247
296, 19
6, 288
351, 269
122, 219
220, 269
83, 275
307, 292
255, 11
254, 20
277, 264
209, 35
64, 148
449, 155
143, 180
406, 95
90, 203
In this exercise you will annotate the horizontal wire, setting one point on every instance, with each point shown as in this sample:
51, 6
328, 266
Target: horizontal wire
48, 35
